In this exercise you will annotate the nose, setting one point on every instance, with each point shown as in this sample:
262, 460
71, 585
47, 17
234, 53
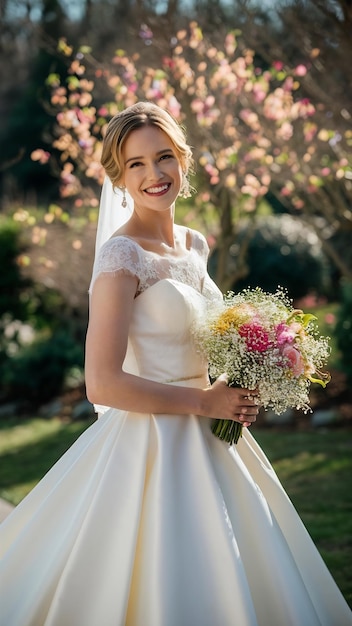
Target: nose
154, 171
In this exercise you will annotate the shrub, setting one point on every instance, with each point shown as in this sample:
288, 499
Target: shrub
12, 283
343, 329
38, 371
283, 251
31, 370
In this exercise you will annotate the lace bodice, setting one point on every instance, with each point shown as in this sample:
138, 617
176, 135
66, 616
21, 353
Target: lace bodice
121, 254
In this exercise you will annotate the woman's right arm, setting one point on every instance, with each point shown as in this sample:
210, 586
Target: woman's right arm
107, 384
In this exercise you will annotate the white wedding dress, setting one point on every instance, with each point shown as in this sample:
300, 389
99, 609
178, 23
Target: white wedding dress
150, 520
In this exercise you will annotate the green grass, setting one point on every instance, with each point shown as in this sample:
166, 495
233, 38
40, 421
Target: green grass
315, 468
28, 448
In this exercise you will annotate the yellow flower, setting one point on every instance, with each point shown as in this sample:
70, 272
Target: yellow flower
233, 317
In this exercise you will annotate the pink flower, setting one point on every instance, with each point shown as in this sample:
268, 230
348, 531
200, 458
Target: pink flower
285, 333
257, 338
40, 155
285, 191
301, 70
295, 359
259, 93
330, 318
325, 171
278, 65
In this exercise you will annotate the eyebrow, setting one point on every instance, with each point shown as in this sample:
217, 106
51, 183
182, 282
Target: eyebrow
159, 153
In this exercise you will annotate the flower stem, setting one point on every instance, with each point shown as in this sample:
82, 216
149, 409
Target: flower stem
227, 430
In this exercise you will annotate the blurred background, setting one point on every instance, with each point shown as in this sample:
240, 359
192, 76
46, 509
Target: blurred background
264, 90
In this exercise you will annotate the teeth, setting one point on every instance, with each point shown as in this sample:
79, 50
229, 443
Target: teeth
157, 189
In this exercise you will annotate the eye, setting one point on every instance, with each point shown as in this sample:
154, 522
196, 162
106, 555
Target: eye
166, 156
135, 164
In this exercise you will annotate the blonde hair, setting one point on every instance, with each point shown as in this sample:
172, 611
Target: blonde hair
134, 117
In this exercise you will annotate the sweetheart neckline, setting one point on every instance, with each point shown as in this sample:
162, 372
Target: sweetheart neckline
170, 280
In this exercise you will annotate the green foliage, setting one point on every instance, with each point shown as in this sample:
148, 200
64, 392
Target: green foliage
37, 372
46, 307
32, 372
343, 329
28, 127
12, 283
14, 304
282, 251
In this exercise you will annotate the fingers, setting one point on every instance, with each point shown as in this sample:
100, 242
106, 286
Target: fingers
232, 403
245, 418
247, 410
246, 395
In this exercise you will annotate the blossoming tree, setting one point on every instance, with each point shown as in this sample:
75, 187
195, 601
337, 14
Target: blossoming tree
252, 129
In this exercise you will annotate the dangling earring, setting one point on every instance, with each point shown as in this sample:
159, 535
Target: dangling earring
124, 201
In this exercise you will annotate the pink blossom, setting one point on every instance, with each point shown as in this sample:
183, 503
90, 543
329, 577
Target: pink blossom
285, 131
174, 107
288, 84
258, 92
278, 65
300, 70
40, 155
330, 318
303, 108
285, 191
257, 338
284, 334
145, 32
295, 359
197, 105
325, 171
168, 62
309, 131
298, 203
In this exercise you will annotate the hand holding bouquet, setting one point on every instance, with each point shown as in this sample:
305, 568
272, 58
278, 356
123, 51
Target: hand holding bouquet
262, 343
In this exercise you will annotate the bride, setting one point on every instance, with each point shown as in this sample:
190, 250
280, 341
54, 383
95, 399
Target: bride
149, 519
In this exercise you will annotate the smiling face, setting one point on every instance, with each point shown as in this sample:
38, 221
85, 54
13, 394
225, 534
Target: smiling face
152, 172
134, 118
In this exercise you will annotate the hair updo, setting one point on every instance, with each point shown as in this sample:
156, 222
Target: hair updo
134, 117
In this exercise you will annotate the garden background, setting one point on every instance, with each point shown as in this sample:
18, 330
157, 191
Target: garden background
264, 90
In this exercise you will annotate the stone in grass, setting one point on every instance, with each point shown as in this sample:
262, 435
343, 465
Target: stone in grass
52, 409
10, 409
284, 419
324, 417
83, 410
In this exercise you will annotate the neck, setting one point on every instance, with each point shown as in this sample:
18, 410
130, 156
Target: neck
157, 226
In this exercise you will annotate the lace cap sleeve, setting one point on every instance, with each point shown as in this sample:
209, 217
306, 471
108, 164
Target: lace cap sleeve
200, 244
118, 255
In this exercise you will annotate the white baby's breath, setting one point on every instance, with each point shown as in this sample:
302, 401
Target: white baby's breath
262, 343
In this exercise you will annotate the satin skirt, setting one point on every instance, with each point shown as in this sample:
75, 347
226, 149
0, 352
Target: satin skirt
153, 521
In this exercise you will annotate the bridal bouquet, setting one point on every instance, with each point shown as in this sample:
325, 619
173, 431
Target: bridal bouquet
262, 343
